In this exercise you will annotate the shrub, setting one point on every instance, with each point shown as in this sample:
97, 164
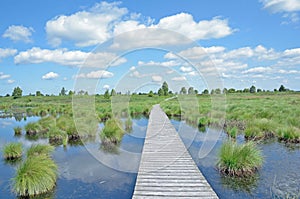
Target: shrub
12, 151
239, 160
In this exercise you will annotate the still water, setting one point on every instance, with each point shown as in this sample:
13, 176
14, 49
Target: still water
93, 171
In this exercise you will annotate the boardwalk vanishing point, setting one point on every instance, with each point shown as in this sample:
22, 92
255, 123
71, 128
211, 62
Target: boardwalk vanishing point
166, 169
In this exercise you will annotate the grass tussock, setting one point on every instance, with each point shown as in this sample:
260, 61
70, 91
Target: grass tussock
112, 131
12, 151
18, 130
35, 176
32, 128
289, 134
239, 160
39, 149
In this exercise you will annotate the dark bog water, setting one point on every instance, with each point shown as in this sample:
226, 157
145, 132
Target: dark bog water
95, 171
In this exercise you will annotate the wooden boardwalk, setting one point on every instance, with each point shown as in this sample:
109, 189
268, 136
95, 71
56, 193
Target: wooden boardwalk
166, 169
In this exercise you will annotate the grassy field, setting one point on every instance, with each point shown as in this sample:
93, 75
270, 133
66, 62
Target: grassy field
257, 116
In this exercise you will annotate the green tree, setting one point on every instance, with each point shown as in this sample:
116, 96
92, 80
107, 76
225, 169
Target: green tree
150, 94
71, 93
259, 90
106, 94
38, 93
225, 91
205, 92
165, 88
191, 91
17, 92
218, 91
160, 92
63, 92
252, 89
113, 92
231, 90
282, 88
183, 91
246, 90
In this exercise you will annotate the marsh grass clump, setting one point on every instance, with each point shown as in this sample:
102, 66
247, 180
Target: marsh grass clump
239, 160
128, 124
32, 128
289, 134
35, 176
232, 132
39, 149
46, 123
56, 135
260, 129
18, 130
12, 151
112, 131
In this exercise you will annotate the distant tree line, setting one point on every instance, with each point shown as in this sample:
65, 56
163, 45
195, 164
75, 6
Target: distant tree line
162, 91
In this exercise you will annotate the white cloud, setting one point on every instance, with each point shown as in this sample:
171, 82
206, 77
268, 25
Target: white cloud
180, 78
281, 5
68, 58
132, 68
50, 76
184, 23
99, 74
10, 81
185, 69
163, 64
18, 33
4, 76
85, 28
156, 78
257, 70
106, 87
6, 52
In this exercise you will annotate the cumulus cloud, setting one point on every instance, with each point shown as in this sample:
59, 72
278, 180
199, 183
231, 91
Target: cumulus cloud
10, 81
156, 78
99, 74
18, 33
186, 69
85, 28
257, 70
76, 58
185, 24
163, 64
6, 52
4, 76
106, 20
179, 78
50, 76
289, 8
106, 87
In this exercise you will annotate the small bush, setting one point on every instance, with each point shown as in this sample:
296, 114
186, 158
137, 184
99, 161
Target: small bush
12, 151
239, 160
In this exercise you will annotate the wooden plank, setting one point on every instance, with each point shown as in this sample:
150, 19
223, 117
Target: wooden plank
166, 169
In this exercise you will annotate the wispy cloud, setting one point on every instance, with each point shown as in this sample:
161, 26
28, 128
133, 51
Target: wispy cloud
19, 33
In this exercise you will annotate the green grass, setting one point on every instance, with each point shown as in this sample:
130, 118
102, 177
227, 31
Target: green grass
128, 124
112, 131
12, 151
39, 149
32, 128
35, 176
18, 130
239, 160
289, 134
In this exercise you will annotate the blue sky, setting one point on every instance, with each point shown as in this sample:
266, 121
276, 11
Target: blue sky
47, 45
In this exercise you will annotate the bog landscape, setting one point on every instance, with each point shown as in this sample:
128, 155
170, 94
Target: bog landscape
132, 100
